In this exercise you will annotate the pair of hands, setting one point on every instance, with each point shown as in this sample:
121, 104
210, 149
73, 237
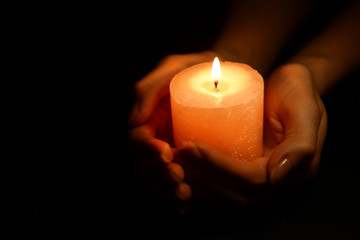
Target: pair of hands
295, 124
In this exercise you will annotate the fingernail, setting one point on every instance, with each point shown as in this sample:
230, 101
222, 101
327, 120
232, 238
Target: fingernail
176, 177
176, 172
192, 149
166, 155
280, 171
183, 192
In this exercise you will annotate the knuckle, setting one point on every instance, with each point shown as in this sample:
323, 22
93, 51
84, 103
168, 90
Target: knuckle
133, 135
171, 58
306, 150
139, 87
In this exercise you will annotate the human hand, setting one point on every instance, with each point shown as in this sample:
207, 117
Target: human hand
294, 132
296, 125
293, 137
150, 121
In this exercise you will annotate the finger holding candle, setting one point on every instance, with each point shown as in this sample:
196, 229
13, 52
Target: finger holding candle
154, 166
150, 121
297, 118
147, 96
248, 172
155, 85
148, 146
153, 139
176, 172
183, 191
214, 120
216, 176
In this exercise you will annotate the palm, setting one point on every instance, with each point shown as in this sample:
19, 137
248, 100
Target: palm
294, 131
295, 126
295, 119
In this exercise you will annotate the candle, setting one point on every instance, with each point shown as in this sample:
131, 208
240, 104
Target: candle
221, 106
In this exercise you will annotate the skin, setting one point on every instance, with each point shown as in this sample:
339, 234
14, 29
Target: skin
292, 139
295, 120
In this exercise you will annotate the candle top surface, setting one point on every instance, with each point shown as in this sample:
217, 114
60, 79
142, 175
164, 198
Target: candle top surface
195, 87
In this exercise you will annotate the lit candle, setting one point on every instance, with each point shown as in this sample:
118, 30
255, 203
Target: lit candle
222, 107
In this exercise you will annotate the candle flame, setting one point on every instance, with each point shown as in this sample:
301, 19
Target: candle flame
216, 70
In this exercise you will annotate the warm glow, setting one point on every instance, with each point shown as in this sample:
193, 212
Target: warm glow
216, 71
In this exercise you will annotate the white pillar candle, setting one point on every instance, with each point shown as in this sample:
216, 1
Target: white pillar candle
221, 108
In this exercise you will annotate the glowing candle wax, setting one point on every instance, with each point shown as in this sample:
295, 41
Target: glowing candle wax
220, 107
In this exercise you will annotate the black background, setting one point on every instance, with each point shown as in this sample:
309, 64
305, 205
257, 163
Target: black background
68, 170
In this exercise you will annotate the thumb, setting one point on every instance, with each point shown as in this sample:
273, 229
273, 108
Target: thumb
298, 149
253, 172
289, 158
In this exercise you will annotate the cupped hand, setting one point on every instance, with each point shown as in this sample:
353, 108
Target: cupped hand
150, 120
295, 127
294, 131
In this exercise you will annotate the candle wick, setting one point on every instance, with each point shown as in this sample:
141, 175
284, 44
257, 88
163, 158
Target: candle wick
216, 82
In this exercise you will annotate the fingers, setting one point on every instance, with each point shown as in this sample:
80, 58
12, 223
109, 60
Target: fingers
161, 152
143, 138
298, 117
300, 144
153, 87
298, 148
218, 178
176, 172
148, 130
148, 93
250, 172
183, 191
290, 158
153, 139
